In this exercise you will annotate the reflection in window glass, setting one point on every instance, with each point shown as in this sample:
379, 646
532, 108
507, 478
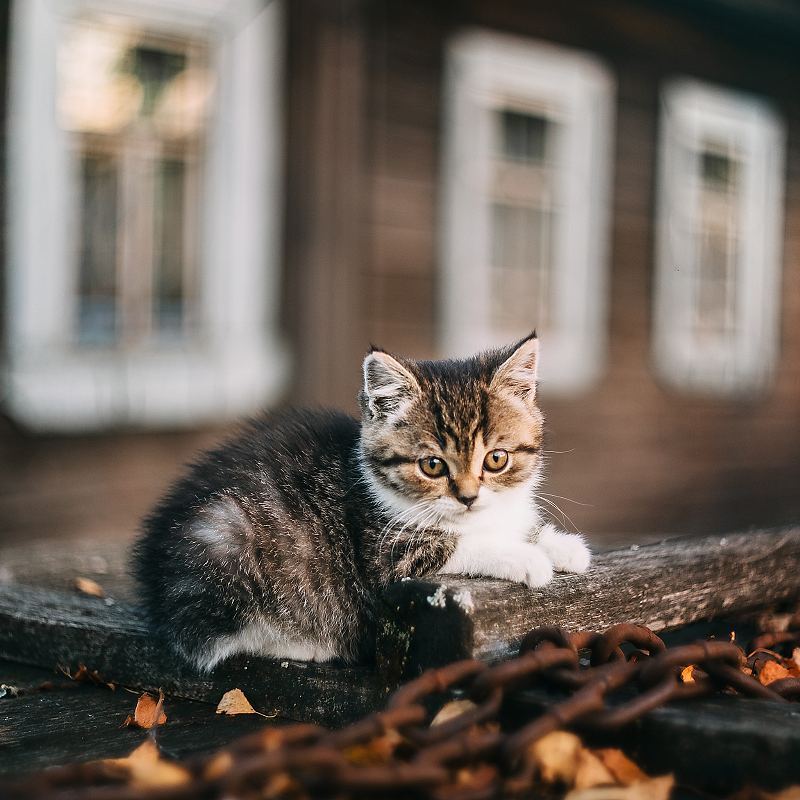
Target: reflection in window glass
135, 106
522, 221
716, 241
97, 306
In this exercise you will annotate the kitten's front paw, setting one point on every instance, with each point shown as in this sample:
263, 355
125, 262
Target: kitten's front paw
537, 568
568, 551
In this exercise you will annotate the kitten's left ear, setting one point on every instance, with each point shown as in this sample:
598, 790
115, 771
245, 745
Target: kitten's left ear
517, 374
388, 385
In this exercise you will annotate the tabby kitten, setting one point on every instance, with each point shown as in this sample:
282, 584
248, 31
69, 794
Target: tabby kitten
277, 542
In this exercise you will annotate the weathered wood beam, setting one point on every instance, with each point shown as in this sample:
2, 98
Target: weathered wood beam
422, 623
716, 744
49, 628
664, 586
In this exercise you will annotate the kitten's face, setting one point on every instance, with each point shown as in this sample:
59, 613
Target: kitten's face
447, 441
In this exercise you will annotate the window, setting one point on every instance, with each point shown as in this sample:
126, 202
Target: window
717, 288
526, 199
143, 217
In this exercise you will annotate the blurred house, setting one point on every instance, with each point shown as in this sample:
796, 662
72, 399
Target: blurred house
216, 205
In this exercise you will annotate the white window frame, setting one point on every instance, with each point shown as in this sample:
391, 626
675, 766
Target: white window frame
691, 113
485, 72
237, 363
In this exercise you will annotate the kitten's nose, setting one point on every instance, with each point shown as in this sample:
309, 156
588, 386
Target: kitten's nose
467, 499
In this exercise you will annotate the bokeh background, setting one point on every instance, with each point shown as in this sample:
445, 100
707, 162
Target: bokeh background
212, 206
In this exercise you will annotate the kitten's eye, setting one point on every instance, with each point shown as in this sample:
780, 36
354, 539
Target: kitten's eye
433, 467
496, 460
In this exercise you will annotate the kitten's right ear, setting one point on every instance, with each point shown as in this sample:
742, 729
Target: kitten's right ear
388, 385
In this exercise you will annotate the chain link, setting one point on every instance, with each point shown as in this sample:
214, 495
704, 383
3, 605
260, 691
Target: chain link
629, 672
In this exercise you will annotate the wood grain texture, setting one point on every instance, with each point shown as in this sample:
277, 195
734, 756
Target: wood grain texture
81, 722
422, 623
429, 622
49, 628
715, 744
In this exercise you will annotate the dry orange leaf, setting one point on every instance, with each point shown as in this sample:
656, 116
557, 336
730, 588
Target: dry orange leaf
219, 765
620, 766
148, 713
234, 702
85, 675
376, 751
556, 757
592, 772
687, 674
772, 671
90, 587
146, 769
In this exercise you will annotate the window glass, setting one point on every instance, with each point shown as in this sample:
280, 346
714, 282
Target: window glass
135, 106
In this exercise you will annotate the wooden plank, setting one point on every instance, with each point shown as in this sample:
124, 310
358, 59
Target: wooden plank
429, 622
81, 722
39, 626
715, 744
422, 623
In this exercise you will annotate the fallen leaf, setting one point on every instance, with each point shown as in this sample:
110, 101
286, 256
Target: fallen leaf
85, 675
451, 710
378, 750
145, 768
620, 766
476, 778
556, 757
653, 789
90, 587
772, 671
687, 674
148, 713
234, 702
220, 764
592, 772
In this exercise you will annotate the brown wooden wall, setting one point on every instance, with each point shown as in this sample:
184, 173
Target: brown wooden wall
642, 458
363, 137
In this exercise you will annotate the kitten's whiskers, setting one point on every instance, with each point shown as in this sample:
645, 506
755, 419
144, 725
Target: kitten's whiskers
564, 516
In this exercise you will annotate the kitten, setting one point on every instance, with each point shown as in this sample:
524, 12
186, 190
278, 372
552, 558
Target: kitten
277, 542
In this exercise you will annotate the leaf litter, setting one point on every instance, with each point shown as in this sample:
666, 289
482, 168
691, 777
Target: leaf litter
149, 712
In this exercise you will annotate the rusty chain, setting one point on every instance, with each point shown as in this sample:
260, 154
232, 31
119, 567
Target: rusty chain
625, 672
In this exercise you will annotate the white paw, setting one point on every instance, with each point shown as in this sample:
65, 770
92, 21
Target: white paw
568, 551
537, 568
521, 562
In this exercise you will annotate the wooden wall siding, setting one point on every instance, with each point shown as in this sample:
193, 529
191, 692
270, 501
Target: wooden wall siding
641, 457
363, 94
325, 193
97, 486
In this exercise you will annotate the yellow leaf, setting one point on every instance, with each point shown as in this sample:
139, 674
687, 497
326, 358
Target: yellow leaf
687, 674
234, 702
90, 587
451, 710
220, 764
556, 757
145, 768
378, 750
